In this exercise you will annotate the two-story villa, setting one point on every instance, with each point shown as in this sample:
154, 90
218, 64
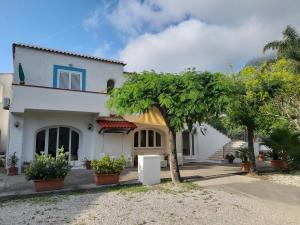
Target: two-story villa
62, 103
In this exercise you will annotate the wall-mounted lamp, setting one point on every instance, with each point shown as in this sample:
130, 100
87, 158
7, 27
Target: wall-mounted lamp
90, 126
17, 124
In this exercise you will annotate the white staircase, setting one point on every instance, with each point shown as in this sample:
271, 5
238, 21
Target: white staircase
229, 148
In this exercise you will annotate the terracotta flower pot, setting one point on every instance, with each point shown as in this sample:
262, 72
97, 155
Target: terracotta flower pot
284, 165
48, 185
276, 164
12, 171
245, 167
102, 179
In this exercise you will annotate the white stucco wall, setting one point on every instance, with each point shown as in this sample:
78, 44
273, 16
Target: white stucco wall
91, 144
5, 91
38, 68
209, 143
26, 97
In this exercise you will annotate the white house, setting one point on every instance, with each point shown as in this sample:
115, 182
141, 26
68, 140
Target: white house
62, 103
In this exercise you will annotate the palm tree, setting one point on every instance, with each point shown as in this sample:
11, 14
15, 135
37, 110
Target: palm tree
288, 47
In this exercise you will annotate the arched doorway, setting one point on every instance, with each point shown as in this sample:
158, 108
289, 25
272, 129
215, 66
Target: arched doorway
50, 139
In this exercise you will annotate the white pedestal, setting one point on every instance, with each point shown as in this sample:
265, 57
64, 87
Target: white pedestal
149, 169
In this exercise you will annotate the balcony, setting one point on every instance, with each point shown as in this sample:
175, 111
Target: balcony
28, 97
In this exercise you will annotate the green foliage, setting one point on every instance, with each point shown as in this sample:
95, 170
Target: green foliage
106, 165
289, 47
284, 143
13, 160
225, 126
182, 98
45, 167
243, 154
1, 163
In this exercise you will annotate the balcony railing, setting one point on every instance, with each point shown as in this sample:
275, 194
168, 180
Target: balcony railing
28, 97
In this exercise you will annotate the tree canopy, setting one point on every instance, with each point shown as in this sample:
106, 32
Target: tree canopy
182, 99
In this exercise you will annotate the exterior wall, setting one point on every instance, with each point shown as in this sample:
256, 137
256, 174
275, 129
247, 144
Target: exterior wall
204, 145
38, 68
26, 97
33, 121
5, 91
91, 144
115, 144
209, 143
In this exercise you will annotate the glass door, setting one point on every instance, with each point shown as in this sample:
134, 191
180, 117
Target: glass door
188, 144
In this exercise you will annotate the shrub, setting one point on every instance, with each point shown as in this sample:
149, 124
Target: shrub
13, 160
45, 167
2, 163
106, 165
284, 144
243, 154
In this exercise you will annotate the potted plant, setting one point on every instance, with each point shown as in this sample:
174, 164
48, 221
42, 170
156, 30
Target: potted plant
243, 154
107, 170
26, 166
12, 162
230, 158
282, 142
48, 173
261, 156
87, 163
276, 162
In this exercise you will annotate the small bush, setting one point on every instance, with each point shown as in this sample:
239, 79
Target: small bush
106, 165
243, 154
13, 160
2, 163
45, 167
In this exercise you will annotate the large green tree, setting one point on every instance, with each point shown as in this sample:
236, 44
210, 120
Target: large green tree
252, 90
288, 47
182, 99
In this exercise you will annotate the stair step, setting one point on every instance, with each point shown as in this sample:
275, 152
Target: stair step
229, 148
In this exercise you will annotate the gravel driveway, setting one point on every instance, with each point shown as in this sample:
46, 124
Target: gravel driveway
161, 204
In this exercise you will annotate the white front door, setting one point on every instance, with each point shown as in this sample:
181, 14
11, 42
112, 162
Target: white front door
188, 145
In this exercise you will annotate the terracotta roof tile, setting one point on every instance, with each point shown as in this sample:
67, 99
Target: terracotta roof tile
65, 53
115, 122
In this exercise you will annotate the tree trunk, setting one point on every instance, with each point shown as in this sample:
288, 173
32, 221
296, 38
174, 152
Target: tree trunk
174, 168
250, 131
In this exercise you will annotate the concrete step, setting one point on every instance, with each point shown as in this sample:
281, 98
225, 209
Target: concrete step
229, 148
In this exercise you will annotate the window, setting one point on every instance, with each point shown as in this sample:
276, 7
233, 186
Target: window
49, 140
72, 78
69, 80
110, 85
147, 139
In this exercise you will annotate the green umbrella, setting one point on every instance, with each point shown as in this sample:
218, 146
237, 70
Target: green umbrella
21, 74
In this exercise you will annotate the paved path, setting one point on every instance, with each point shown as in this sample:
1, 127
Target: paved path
256, 188
84, 179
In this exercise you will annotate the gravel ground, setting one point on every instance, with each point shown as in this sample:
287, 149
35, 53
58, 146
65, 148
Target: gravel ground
162, 204
287, 179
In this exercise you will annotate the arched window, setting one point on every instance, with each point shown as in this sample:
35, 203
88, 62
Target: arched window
50, 139
110, 85
147, 139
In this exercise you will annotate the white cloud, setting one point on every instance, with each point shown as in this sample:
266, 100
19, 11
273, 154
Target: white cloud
193, 43
103, 50
134, 17
171, 35
92, 21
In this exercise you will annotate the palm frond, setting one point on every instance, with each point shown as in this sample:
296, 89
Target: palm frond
274, 45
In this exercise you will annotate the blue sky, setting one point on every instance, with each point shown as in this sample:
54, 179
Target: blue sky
53, 24
165, 35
